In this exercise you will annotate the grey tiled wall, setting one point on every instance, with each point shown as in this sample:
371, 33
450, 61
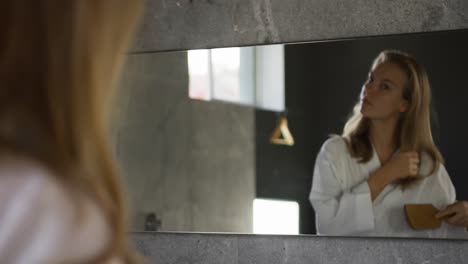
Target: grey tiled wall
167, 248
190, 24
190, 162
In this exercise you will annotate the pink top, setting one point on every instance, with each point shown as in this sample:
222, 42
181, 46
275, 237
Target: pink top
37, 218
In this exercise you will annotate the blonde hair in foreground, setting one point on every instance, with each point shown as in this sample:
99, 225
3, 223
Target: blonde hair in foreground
59, 61
414, 127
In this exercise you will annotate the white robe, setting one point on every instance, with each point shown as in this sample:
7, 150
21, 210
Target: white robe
342, 201
38, 218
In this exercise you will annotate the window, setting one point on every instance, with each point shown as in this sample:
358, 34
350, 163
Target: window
275, 217
249, 75
199, 74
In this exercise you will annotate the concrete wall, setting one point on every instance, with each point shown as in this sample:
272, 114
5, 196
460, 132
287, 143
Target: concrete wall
166, 248
190, 24
190, 162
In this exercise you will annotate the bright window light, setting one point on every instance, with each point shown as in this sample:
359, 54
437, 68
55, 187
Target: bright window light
251, 76
275, 217
226, 74
199, 74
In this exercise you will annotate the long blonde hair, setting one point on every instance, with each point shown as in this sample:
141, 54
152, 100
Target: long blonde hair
414, 127
59, 61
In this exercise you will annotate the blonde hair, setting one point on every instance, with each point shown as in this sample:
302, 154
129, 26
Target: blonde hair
58, 64
414, 127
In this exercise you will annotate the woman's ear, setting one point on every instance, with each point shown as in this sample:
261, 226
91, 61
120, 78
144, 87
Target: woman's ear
404, 106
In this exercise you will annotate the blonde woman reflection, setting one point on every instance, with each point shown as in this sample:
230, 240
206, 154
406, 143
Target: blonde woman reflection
60, 198
385, 158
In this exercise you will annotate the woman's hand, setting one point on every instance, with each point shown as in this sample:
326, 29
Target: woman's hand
455, 214
402, 166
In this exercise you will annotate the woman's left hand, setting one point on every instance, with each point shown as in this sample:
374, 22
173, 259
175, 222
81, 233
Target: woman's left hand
457, 213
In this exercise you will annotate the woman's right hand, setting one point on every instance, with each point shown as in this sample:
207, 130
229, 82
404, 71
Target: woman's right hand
403, 165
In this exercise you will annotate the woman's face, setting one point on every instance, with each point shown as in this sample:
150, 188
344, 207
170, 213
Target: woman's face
382, 94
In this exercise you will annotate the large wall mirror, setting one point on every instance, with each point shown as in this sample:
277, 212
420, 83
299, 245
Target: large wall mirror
194, 134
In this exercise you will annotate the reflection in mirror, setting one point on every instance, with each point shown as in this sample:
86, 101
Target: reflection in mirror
193, 133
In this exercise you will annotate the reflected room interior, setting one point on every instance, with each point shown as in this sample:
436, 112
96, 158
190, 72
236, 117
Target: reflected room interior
195, 131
